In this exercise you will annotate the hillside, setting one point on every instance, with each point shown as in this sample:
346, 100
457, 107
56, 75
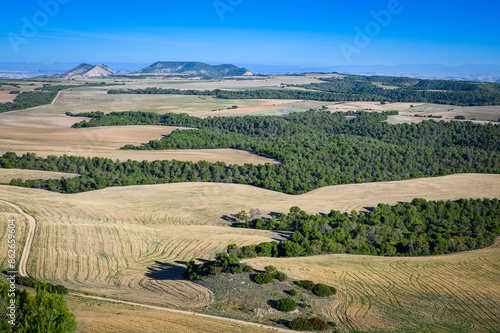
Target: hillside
86, 71
195, 68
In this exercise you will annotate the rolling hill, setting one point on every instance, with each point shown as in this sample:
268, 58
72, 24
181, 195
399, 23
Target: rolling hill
194, 68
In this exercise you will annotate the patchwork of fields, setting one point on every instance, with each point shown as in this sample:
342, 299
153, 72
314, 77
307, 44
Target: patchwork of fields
132, 243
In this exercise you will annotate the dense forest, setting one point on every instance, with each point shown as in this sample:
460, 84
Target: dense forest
316, 149
360, 88
417, 228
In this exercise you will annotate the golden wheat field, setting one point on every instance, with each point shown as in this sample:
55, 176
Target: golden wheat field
448, 293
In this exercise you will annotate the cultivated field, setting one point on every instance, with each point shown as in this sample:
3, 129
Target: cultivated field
21, 225
6, 175
50, 134
96, 99
131, 243
448, 293
6, 96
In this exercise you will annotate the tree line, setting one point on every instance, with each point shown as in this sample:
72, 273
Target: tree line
406, 229
360, 88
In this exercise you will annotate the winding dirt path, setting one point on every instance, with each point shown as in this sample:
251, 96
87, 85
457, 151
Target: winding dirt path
191, 313
29, 240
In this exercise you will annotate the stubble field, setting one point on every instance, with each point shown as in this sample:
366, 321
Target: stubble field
448, 293
51, 134
131, 243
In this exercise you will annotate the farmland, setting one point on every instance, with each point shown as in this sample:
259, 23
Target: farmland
50, 134
448, 293
7, 174
132, 243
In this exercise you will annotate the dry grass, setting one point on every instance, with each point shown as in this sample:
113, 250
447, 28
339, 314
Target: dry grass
449, 293
6, 175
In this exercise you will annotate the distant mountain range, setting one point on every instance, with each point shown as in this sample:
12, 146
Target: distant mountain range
87, 71
194, 68
479, 73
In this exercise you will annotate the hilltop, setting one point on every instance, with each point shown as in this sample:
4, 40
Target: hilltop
86, 71
194, 68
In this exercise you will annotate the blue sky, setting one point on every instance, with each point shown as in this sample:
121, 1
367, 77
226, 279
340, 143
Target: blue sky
302, 33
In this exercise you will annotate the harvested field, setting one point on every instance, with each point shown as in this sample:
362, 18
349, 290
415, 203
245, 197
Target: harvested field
131, 243
6, 175
21, 224
476, 114
6, 96
199, 106
228, 156
50, 134
448, 293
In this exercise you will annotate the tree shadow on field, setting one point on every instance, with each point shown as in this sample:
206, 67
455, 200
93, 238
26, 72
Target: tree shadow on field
230, 218
166, 271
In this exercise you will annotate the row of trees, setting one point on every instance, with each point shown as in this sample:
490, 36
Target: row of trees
417, 228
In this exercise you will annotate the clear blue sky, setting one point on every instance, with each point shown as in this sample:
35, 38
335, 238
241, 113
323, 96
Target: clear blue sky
272, 32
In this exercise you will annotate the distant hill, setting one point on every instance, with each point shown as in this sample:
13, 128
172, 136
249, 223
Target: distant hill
86, 71
195, 68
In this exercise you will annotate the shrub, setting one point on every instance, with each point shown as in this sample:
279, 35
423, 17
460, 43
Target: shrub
286, 305
306, 284
236, 269
262, 278
322, 290
271, 269
293, 292
280, 276
300, 324
318, 324
248, 269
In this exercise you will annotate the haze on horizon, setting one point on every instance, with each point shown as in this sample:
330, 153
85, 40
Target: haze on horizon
326, 33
